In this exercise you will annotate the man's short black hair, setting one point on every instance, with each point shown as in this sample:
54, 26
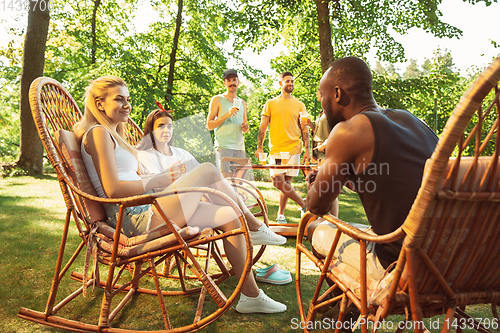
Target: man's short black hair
352, 74
282, 75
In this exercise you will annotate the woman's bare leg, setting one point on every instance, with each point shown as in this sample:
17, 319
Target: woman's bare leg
205, 175
234, 246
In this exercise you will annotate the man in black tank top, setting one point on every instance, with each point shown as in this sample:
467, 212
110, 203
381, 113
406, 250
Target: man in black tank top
382, 152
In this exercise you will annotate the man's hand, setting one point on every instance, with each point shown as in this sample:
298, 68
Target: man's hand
308, 123
233, 111
258, 151
321, 147
307, 156
310, 178
244, 127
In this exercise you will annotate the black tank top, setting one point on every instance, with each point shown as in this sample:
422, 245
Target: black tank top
390, 182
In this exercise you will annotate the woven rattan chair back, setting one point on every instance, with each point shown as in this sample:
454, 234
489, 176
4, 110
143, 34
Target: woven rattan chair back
451, 245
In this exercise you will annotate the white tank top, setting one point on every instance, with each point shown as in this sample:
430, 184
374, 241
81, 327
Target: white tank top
126, 165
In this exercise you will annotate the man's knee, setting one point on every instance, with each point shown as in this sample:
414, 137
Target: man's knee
279, 181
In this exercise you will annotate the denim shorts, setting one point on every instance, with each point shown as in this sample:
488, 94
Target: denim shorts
136, 220
223, 152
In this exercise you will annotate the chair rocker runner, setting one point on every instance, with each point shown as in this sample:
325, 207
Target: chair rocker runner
131, 262
451, 255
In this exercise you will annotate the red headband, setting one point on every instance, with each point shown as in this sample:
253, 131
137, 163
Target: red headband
161, 107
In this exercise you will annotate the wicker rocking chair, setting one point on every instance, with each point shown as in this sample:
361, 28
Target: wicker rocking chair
451, 254
55, 112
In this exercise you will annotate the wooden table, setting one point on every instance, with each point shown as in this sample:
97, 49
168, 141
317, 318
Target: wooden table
284, 229
241, 170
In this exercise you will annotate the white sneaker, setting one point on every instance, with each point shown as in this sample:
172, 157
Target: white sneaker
265, 236
281, 219
259, 304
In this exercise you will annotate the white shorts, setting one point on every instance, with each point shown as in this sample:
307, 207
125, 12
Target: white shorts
348, 249
294, 159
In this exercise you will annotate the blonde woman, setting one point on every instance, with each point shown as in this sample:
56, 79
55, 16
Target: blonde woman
112, 166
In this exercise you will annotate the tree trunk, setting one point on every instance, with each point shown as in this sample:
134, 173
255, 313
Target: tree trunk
175, 43
97, 3
325, 34
31, 150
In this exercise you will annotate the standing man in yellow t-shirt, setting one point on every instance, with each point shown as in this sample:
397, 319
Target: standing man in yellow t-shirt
282, 114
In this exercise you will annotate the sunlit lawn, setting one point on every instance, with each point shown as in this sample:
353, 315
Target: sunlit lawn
31, 219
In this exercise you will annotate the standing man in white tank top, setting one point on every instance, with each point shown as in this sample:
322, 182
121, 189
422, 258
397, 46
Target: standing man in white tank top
229, 120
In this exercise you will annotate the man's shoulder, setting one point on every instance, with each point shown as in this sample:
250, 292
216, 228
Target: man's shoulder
276, 99
216, 97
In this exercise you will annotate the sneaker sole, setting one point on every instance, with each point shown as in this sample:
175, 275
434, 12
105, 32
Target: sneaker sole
271, 281
259, 310
268, 243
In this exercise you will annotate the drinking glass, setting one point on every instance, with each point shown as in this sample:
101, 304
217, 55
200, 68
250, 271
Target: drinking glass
277, 158
284, 157
237, 102
303, 117
262, 158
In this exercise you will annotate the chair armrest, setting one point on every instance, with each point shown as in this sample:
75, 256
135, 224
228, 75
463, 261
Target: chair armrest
358, 234
352, 231
238, 160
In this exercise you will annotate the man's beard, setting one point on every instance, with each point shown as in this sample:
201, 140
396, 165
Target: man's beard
332, 121
288, 89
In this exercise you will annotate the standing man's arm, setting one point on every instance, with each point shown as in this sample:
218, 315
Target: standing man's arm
213, 119
264, 122
244, 125
305, 138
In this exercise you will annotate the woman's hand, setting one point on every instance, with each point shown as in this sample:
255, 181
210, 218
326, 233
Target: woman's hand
160, 181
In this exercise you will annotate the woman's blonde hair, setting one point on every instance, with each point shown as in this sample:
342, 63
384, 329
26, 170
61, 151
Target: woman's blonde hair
98, 90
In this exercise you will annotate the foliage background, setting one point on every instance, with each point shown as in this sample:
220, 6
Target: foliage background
91, 38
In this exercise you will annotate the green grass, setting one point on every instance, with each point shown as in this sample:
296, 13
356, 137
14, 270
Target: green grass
32, 212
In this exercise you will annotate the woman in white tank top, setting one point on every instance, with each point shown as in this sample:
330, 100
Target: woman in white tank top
112, 164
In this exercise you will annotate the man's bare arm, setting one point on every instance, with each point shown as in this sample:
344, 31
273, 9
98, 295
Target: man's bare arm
351, 143
213, 119
264, 121
262, 131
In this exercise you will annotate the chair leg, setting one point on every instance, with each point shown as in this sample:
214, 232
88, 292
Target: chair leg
166, 319
57, 277
495, 313
450, 314
412, 290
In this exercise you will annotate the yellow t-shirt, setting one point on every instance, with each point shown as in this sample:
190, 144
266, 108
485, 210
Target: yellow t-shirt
284, 127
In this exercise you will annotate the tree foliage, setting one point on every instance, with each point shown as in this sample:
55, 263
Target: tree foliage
179, 59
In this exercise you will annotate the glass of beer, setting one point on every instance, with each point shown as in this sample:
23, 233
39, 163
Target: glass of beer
277, 158
303, 117
284, 157
262, 158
